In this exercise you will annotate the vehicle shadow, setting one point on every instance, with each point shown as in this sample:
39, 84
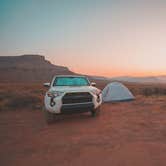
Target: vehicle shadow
74, 118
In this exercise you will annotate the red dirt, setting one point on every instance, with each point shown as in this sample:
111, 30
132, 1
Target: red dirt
125, 134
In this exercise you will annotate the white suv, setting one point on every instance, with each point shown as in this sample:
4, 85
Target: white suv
71, 94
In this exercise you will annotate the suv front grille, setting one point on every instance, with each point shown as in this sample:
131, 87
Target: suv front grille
76, 97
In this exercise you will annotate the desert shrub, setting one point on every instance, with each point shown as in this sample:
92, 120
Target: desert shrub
4, 95
12, 101
21, 96
23, 101
38, 91
148, 91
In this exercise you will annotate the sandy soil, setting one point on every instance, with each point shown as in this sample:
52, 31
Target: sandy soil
125, 134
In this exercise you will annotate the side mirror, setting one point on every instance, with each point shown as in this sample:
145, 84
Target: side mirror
93, 84
47, 84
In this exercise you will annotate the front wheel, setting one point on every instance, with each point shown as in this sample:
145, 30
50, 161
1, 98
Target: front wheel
95, 112
49, 117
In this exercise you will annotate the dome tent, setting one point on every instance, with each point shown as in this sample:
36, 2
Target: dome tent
116, 91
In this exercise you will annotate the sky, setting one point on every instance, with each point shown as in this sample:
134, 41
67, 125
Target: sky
95, 37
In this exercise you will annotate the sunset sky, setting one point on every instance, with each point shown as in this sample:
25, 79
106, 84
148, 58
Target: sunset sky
95, 37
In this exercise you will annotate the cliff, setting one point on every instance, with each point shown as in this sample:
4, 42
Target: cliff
28, 68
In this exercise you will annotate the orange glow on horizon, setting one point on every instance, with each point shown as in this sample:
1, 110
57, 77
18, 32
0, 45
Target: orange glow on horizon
116, 73
95, 69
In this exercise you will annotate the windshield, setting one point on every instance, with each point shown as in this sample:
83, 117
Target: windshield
70, 81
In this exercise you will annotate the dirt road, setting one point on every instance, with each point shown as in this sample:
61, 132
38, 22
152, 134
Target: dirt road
125, 134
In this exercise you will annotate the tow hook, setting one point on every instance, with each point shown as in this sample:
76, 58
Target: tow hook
52, 102
98, 98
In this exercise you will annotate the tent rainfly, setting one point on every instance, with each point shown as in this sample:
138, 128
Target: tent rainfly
116, 91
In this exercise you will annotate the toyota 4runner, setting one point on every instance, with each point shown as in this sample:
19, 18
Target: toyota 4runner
71, 94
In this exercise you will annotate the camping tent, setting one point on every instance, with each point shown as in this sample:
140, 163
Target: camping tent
116, 91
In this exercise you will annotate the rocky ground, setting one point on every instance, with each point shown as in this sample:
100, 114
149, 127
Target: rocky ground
124, 134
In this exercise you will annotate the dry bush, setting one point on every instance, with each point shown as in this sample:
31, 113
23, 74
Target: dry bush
154, 91
30, 96
147, 89
23, 101
139, 88
18, 96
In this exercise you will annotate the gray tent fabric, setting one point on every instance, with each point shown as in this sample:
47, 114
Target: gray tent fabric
116, 91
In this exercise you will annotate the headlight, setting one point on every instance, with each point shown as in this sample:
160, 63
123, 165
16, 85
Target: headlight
54, 93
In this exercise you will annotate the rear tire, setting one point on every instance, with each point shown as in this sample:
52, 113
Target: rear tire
49, 117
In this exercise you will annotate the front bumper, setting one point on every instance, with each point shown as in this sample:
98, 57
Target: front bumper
77, 108
59, 107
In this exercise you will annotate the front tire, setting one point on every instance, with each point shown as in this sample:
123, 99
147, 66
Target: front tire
49, 117
95, 112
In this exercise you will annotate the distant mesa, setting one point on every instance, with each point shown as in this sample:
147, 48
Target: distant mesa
35, 68
28, 68
148, 79
26, 62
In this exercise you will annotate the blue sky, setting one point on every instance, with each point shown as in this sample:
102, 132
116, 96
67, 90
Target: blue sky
100, 37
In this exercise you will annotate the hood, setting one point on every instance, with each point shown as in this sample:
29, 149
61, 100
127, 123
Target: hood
73, 88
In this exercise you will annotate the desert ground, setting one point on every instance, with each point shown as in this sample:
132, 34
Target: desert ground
123, 134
